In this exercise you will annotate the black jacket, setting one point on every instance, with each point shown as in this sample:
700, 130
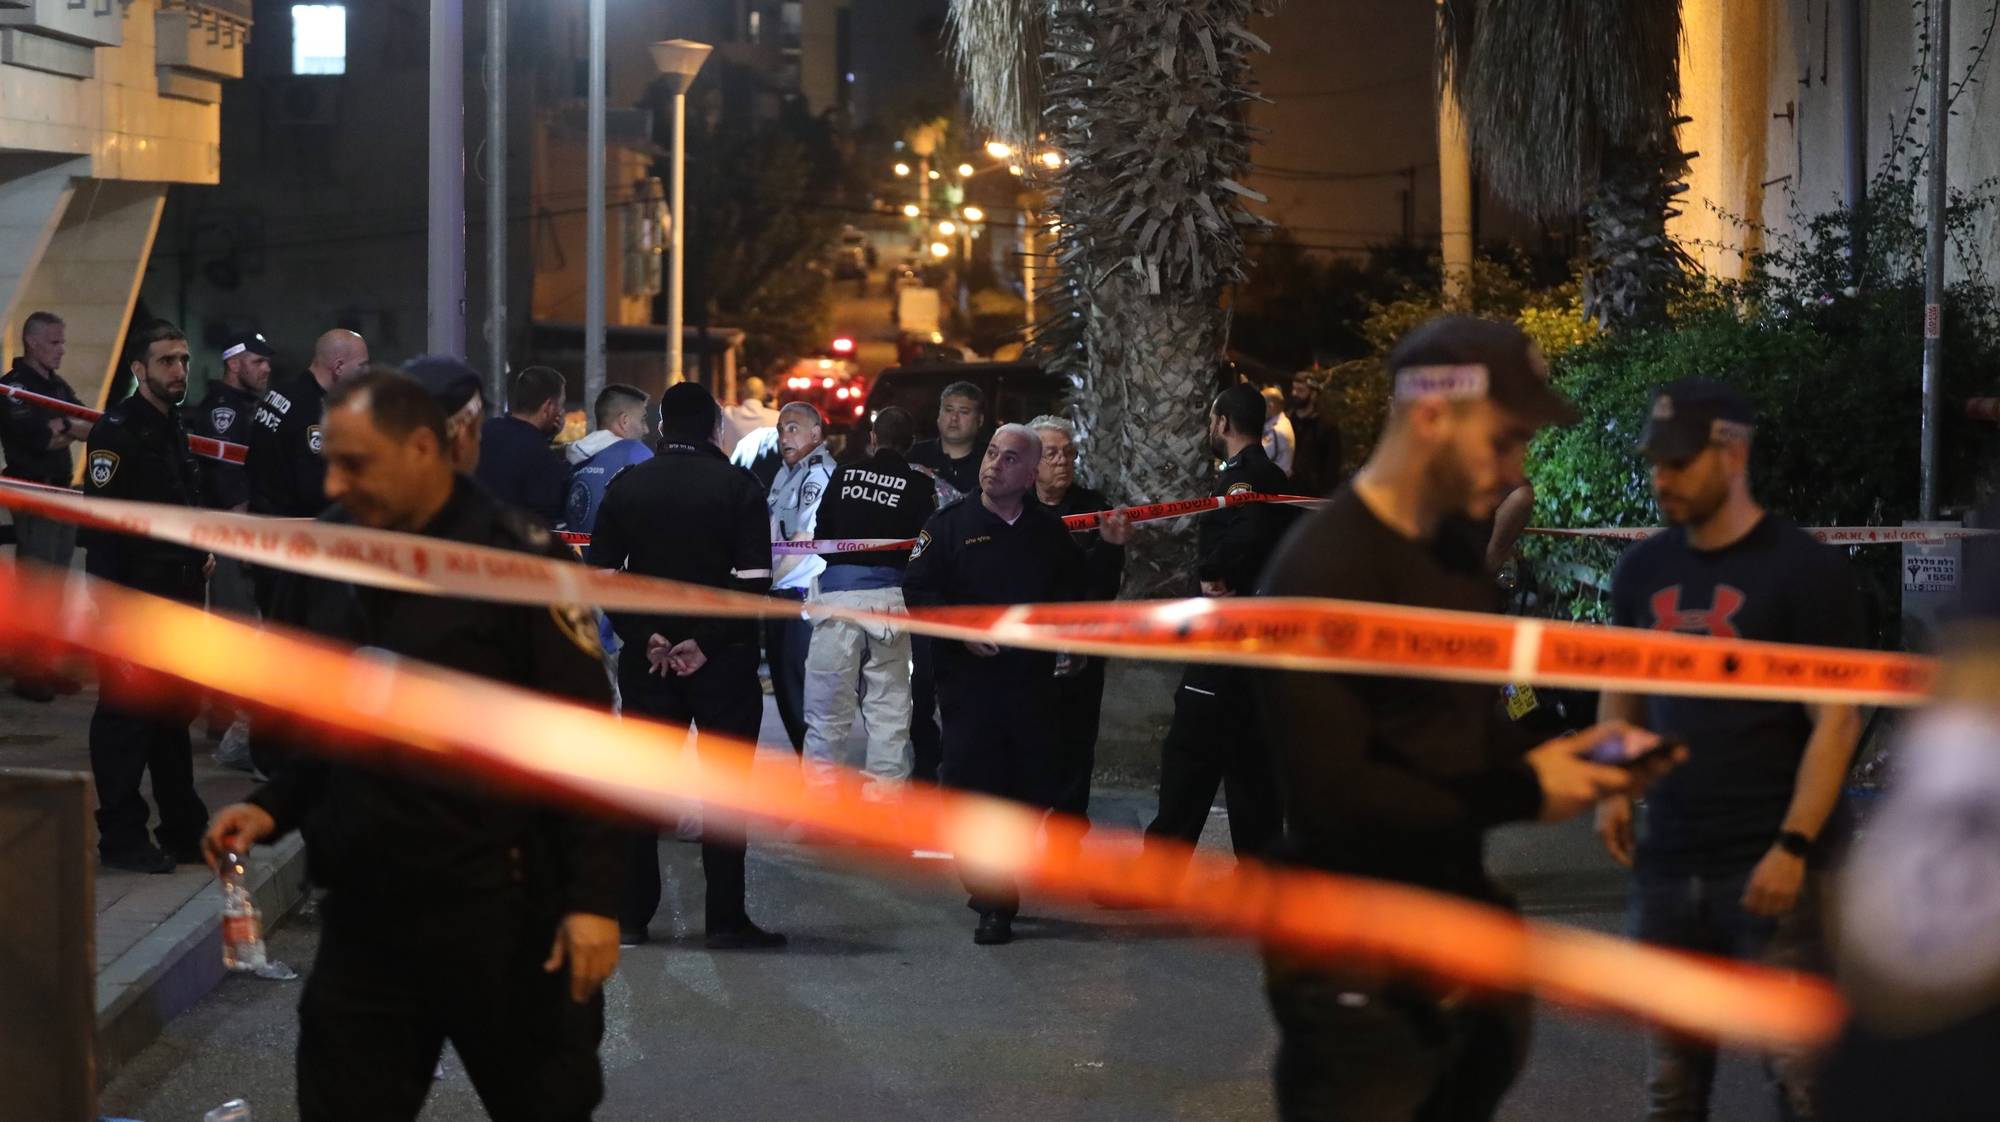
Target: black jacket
140, 454
411, 846
287, 476
687, 514
1234, 544
24, 427
968, 555
225, 413
882, 496
1103, 561
517, 465
960, 476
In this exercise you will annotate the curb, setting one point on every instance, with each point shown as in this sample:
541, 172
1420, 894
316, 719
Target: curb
166, 972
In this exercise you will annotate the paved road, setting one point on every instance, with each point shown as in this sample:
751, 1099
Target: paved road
884, 1009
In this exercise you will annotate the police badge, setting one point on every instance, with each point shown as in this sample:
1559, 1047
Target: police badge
313, 439
220, 418
103, 465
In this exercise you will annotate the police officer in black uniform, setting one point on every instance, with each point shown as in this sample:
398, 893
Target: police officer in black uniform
228, 412
1216, 738
1000, 548
953, 460
452, 910
139, 452
287, 476
688, 514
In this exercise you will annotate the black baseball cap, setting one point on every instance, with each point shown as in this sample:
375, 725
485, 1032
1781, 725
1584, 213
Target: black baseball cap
246, 342
1465, 357
450, 382
1692, 413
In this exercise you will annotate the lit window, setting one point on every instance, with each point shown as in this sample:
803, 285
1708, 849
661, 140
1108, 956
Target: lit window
319, 38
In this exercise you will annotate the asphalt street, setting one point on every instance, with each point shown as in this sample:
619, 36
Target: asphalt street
883, 1009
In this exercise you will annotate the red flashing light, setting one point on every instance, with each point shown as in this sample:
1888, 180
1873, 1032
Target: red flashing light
843, 346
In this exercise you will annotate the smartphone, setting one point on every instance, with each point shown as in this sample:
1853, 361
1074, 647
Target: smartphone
1615, 752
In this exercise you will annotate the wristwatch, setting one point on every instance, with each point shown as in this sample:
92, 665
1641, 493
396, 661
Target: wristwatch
1794, 843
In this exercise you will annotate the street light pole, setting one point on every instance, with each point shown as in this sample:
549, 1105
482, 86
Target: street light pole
496, 199
445, 253
593, 288
1940, 37
678, 60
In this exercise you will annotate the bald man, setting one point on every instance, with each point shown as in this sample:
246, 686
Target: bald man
287, 476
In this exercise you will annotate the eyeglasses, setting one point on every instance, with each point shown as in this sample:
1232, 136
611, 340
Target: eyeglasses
1059, 455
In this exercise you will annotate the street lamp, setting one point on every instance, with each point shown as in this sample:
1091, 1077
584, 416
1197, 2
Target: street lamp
678, 60
964, 171
1052, 159
911, 210
902, 169
974, 214
1015, 169
940, 250
947, 227
998, 150
934, 174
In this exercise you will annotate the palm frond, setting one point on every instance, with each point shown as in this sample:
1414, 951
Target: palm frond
997, 46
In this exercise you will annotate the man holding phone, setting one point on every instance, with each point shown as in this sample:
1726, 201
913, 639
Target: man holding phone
1734, 844
1400, 778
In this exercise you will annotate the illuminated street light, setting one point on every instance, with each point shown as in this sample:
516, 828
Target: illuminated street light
964, 170
947, 227
998, 150
911, 210
939, 249
974, 214
1052, 159
936, 175
1014, 169
902, 169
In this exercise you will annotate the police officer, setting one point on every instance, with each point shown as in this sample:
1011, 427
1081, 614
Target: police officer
794, 504
1079, 678
883, 496
452, 911
139, 452
287, 476
1216, 739
688, 514
1000, 548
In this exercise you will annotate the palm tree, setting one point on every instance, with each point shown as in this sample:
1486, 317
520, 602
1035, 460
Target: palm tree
1571, 107
1143, 100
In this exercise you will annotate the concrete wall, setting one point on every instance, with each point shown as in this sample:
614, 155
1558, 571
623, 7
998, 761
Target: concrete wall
1763, 79
90, 273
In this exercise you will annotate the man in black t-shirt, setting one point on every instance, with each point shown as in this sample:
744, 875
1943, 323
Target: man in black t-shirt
1400, 778
952, 460
1733, 844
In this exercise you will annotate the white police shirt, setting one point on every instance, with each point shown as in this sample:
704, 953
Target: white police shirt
794, 505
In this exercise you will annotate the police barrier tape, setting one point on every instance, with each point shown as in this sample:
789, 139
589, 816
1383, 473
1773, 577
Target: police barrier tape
201, 445
1149, 512
1829, 535
377, 705
1287, 633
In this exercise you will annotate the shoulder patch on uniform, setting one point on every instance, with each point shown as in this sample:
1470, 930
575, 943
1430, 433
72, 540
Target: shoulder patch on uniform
315, 436
578, 624
221, 417
923, 540
103, 466
810, 493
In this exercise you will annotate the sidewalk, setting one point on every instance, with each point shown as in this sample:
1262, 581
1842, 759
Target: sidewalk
158, 937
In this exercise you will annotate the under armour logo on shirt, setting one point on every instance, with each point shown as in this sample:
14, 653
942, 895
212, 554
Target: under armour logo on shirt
1717, 619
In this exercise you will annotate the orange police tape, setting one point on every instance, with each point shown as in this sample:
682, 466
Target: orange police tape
201, 445
1150, 512
374, 705
1296, 634
1827, 535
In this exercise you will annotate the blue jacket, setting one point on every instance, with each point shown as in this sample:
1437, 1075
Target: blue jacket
602, 459
517, 465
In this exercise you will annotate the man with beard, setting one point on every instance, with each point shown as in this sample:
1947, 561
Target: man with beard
139, 452
1216, 739
1735, 846
1079, 678
516, 462
997, 548
452, 911
1399, 779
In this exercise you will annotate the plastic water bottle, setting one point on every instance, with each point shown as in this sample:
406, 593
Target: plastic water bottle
242, 932
235, 1110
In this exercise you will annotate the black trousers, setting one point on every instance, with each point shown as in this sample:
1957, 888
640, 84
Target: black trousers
723, 698
996, 743
1216, 741
381, 1002
1079, 707
786, 639
926, 741
124, 746
1362, 1052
